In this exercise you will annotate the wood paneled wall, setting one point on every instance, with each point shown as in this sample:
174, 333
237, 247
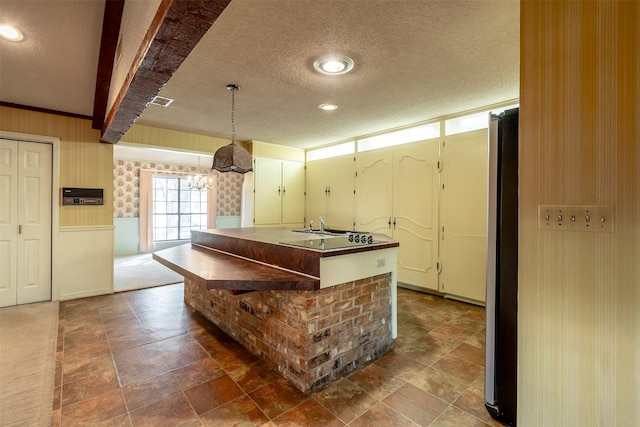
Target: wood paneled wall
84, 161
147, 135
579, 295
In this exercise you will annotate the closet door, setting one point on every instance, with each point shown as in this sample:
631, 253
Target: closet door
415, 212
25, 222
464, 215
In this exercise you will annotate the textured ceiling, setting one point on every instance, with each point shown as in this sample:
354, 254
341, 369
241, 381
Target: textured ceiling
55, 66
415, 60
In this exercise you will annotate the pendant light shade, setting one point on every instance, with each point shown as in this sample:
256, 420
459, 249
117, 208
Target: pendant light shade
232, 157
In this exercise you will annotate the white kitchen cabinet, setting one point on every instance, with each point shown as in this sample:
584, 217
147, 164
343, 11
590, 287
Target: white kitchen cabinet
329, 184
463, 212
278, 192
397, 194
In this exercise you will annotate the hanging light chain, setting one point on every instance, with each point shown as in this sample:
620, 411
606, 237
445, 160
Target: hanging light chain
233, 89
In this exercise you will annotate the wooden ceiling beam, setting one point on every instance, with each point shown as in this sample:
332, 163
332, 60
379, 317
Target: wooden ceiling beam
175, 30
108, 43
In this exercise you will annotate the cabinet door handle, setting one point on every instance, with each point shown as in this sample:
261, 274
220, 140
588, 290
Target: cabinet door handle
329, 190
389, 223
20, 229
394, 222
278, 190
283, 190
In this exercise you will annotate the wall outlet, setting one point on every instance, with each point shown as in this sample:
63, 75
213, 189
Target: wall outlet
380, 262
597, 218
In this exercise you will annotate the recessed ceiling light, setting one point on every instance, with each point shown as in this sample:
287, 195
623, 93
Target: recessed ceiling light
328, 107
333, 64
10, 33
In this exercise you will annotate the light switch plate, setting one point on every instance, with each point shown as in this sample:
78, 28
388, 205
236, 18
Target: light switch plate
590, 218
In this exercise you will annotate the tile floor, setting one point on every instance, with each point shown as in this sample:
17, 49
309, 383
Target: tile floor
142, 358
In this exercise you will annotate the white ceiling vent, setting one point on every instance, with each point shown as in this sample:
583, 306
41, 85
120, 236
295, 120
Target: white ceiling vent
161, 101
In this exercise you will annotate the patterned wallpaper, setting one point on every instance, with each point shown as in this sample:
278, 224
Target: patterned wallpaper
126, 189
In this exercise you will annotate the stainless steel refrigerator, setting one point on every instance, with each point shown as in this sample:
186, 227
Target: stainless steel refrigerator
502, 269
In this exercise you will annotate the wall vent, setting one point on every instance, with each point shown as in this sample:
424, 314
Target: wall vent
161, 101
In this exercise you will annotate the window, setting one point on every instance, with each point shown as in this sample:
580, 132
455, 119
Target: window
331, 151
176, 209
404, 136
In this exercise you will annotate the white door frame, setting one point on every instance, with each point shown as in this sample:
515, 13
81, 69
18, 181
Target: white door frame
55, 199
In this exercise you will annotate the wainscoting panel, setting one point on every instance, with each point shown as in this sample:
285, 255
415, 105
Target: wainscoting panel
85, 261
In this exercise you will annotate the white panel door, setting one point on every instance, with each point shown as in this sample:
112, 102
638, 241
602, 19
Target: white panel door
415, 221
374, 191
292, 194
464, 215
25, 217
8, 222
267, 192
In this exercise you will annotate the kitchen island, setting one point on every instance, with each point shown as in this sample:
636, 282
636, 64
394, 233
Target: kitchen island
314, 306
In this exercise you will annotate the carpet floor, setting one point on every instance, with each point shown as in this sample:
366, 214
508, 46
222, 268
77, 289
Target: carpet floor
28, 335
141, 271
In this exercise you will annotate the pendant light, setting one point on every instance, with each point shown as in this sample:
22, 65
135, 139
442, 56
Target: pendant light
232, 158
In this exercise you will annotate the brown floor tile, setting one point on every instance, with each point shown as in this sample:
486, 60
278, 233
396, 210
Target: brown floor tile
309, 413
416, 404
454, 331
92, 411
88, 387
440, 384
239, 412
212, 394
174, 410
400, 365
382, 415
472, 402
345, 400
421, 351
145, 393
72, 372
173, 364
458, 368
141, 371
277, 397
179, 351
454, 417
84, 336
235, 357
253, 376
469, 353
198, 372
376, 381
441, 341
120, 421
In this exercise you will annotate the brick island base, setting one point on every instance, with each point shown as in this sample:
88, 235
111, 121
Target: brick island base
311, 338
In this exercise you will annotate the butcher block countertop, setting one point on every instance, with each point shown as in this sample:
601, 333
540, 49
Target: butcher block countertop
248, 259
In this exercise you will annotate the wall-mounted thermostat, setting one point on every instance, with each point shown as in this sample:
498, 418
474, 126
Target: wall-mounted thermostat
82, 196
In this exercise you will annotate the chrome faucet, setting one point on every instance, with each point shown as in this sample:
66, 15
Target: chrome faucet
310, 225
321, 223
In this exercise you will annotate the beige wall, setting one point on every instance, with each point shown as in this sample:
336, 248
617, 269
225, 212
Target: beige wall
152, 136
579, 295
84, 161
